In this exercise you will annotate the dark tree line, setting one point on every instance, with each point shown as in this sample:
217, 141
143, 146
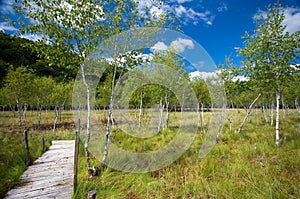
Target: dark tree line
16, 52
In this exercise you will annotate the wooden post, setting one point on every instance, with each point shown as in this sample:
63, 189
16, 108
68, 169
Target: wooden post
27, 162
92, 194
76, 156
43, 143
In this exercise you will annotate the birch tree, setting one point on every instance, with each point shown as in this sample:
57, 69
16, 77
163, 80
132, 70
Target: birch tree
75, 28
60, 97
4, 98
268, 54
19, 84
43, 90
203, 97
168, 60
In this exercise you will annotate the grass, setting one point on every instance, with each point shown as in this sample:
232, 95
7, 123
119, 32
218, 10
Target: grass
232, 169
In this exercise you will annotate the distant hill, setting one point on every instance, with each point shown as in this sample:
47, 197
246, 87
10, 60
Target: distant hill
16, 52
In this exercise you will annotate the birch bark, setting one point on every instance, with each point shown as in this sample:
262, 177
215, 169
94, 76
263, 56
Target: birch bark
277, 117
248, 113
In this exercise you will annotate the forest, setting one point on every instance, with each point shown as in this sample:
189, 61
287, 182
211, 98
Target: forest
247, 130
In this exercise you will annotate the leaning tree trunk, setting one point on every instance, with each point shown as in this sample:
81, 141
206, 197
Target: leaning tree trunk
277, 117
248, 113
12, 108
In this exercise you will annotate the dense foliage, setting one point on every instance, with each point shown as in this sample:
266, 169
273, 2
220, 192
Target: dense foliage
16, 52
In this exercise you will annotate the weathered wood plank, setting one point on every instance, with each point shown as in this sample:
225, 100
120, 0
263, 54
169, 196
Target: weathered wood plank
50, 176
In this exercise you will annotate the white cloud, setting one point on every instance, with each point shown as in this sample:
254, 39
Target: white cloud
189, 14
156, 11
159, 46
146, 57
180, 10
200, 64
181, 44
178, 45
152, 8
260, 14
292, 18
203, 75
5, 26
223, 7
183, 1
33, 37
6, 7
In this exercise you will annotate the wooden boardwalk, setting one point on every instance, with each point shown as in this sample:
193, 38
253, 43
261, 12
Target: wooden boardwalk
50, 176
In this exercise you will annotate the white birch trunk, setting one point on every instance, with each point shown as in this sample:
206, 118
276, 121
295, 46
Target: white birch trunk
19, 112
229, 118
198, 113
108, 134
12, 108
248, 113
56, 117
272, 114
265, 114
39, 115
161, 110
25, 111
277, 117
182, 105
202, 118
167, 110
88, 135
141, 110
221, 123
297, 105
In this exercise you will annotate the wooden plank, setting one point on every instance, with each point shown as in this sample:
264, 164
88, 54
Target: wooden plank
50, 176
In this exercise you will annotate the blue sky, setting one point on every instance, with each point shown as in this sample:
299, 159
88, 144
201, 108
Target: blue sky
217, 25
220, 33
